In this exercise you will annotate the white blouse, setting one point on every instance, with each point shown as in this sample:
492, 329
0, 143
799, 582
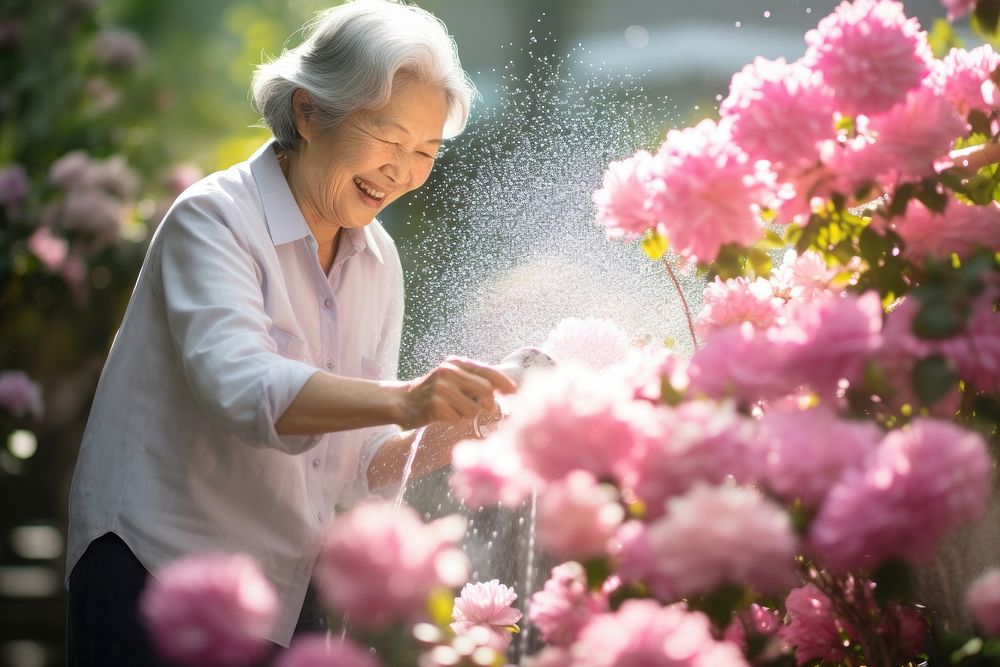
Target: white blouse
230, 316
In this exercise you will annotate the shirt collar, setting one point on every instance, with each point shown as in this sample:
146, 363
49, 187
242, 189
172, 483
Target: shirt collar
281, 212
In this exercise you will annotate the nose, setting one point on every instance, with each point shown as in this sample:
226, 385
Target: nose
398, 170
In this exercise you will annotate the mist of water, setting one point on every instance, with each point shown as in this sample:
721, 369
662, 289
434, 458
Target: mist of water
508, 246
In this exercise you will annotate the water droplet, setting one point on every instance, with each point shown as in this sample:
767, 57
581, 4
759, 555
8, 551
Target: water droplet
767, 13
739, 23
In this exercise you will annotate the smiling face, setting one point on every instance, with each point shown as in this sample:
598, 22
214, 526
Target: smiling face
344, 176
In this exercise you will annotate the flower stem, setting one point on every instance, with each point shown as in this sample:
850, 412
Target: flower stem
680, 293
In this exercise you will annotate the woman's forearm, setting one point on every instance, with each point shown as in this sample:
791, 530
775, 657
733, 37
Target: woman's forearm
433, 453
330, 403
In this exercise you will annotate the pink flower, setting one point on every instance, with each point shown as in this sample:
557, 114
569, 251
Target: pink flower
13, 189
643, 633
50, 250
380, 564
983, 602
813, 628
702, 441
709, 537
809, 451
487, 605
757, 620
116, 177
92, 212
779, 112
961, 228
486, 472
623, 203
831, 339
565, 604
964, 78
646, 368
913, 134
550, 656
709, 191
19, 396
118, 48
210, 610
322, 651
976, 352
958, 8
569, 405
802, 277
72, 171
735, 301
577, 516
593, 342
870, 54
180, 177
741, 362
921, 482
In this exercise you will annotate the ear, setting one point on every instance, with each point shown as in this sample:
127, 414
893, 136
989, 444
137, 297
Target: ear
302, 109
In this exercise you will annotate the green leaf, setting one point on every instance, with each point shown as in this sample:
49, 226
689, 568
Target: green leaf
632, 591
943, 38
936, 320
986, 16
721, 604
772, 241
893, 581
729, 263
598, 570
932, 198
933, 378
980, 123
846, 125
760, 262
901, 198
654, 244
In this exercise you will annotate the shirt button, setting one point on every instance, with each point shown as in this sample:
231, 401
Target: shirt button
316, 463
329, 364
328, 303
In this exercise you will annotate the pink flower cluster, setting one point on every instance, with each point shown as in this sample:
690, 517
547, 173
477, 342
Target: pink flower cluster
737, 300
642, 632
809, 451
983, 601
703, 441
213, 610
763, 96
711, 536
961, 228
486, 609
819, 343
867, 105
577, 516
813, 627
13, 189
20, 396
486, 472
379, 564
562, 420
565, 605
870, 54
323, 651
920, 482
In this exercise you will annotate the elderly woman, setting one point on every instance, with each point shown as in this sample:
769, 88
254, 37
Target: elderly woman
251, 389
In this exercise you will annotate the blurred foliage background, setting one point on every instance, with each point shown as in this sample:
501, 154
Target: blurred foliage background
110, 108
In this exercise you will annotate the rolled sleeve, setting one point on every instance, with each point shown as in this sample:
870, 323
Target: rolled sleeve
215, 312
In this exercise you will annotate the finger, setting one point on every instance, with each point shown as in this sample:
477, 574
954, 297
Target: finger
460, 402
476, 387
498, 380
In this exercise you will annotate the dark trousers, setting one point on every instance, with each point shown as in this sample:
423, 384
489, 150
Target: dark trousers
104, 628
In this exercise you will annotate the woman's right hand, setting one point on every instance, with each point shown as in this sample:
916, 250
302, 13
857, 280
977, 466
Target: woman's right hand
456, 390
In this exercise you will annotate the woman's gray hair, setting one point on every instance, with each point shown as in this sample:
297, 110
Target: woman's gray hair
348, 61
